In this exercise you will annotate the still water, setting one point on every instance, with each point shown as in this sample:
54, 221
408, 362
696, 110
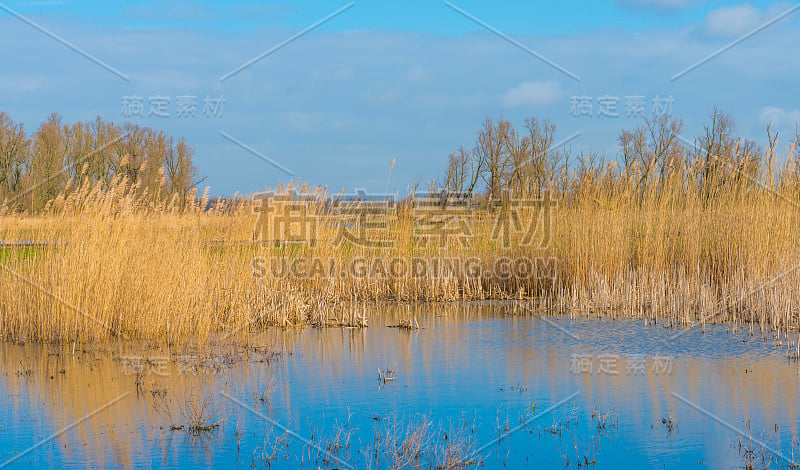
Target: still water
475, 384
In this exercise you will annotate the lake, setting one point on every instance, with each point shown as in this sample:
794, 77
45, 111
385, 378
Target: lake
478, 386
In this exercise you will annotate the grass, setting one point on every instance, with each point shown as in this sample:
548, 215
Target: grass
421, 444
20, 254
195, 415
126, 267
670, 423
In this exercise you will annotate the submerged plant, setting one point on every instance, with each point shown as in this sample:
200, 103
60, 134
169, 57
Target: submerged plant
193, 414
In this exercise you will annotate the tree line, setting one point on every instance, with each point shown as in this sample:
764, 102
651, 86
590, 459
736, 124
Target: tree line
504, 161
36, 168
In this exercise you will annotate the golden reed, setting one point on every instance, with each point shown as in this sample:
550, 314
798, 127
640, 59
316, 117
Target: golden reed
117, 265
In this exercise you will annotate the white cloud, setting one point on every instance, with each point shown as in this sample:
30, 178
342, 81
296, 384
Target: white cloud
416, 76
659, 5
23, 83
533, 94
732, 21
780, 117
309, 122
740, 19
330, 105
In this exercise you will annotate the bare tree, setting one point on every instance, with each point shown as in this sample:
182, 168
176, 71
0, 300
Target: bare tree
492, 155
91, 152
506, 161
463, 171
666, 150
181, 174
46, 175
652, 151
517, 175
633, 145
717, 146
13, 155
543, 159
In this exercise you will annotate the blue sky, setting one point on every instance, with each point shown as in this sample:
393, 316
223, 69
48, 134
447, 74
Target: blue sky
409, 81
566, 17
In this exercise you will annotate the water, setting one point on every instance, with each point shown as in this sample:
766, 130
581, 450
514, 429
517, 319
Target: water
473, 374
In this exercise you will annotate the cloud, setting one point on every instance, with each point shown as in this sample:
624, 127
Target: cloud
337, 106
312, 122
659, 5
739, 19
23, 83
780, 117
533, 94
416, 76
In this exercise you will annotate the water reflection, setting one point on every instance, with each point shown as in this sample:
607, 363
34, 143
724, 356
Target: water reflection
474, 372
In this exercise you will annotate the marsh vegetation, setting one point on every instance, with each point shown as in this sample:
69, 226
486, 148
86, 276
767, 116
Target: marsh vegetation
670, 234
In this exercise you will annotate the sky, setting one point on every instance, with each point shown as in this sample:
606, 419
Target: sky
331, 92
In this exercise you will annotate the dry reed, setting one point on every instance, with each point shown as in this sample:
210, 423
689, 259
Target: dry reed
125, 267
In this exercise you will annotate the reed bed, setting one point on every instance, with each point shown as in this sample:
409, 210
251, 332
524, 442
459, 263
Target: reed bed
117, 265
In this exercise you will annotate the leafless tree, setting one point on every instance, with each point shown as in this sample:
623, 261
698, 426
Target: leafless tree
46, 174
543, 159
717, 146
652, 151
180, 172
463, 171
90, 152
517, 175
633, 145
13, 155
493, 156
667, 152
